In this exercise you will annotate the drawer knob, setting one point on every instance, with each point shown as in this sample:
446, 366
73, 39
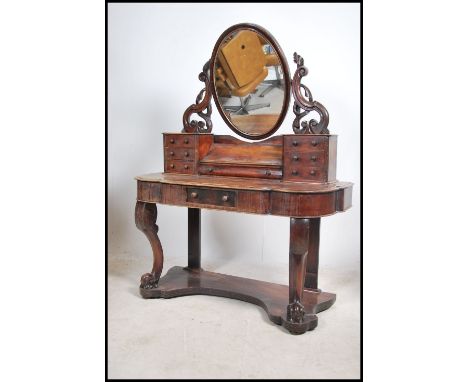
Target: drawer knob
225, 198
295, 157
210, 169
172, 165
172, 140
312, 172
186, 154
171, 153
295, 143
314, 143
313, 158
185, 140
268, 172
186, 167
294, 172
194, 195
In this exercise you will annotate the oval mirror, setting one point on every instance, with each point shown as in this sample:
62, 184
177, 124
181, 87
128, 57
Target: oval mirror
250, 81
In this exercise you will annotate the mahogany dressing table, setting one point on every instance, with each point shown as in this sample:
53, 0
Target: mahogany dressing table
291, 175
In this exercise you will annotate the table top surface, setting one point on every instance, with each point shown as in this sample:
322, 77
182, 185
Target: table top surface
243, 183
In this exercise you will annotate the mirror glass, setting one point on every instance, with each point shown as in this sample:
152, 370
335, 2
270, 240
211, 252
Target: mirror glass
249, 79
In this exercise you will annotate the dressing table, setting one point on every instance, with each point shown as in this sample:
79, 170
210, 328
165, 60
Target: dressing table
291, 175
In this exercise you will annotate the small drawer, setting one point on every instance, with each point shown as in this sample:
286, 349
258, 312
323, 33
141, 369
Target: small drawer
305, 143
185, 154
211, 196
306, 173
179, 140
308, 158
179, 167
242, 171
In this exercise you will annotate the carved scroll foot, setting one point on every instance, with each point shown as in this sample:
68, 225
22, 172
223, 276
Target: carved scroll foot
145, 220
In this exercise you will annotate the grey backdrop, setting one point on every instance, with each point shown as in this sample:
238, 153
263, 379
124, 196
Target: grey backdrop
155, 54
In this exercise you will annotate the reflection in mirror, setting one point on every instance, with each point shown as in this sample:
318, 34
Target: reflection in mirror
249, 82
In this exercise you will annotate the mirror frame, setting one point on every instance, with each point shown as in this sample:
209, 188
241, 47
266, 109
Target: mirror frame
287, 78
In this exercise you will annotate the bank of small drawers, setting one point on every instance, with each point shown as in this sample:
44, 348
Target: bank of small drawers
179, 153
306, 158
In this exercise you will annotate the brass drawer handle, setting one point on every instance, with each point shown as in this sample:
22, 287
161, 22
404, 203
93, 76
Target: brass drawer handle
194, 195
295, 157
225, 198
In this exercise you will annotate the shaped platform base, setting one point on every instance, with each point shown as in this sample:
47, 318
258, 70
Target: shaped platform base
274, 298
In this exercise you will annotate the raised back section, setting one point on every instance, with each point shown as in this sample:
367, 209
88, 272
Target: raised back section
293, 158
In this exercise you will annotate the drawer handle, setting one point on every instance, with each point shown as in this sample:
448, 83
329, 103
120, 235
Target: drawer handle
295, 143
171, 153
172, 140
314, 143
186, 166
172, 165
210, 169
295, 157
268, 172
186, 154
313, 158
194, 195
225, 198
294, 172
185, 140
312, 172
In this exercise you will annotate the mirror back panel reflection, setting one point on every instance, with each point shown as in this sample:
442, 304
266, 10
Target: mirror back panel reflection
249, 82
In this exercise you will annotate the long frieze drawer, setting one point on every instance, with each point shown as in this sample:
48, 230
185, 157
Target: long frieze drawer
305, 142
305, 174
211, 196
242, 171
179, 167
179, 154
312, 158
179, 140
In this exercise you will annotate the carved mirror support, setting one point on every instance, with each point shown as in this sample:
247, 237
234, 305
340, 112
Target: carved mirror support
307, 104
202, 102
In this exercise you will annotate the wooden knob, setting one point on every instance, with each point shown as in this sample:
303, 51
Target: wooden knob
312, 172
172, 140
313, 158
210, 169
295, 157
186, 167
295, 143
294, 172
225, 198
186, 154
194, 195
172, 165
314, 143
185, 140
171, 153
268, 172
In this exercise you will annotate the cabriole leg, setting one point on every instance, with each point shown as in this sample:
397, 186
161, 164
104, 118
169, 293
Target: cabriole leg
145, 220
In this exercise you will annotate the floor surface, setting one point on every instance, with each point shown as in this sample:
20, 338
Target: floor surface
214, 337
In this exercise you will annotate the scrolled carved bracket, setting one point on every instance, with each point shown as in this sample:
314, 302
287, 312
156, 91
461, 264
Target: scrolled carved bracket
202, 102
307, 104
